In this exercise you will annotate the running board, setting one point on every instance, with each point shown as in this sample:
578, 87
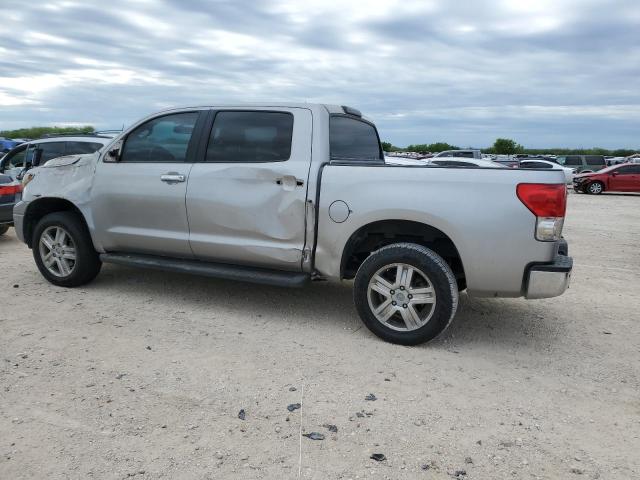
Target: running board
207, 269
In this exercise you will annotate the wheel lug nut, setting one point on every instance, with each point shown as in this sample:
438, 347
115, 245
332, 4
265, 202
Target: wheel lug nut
410, 296
393, 303
401, 288
404, 306
392, 292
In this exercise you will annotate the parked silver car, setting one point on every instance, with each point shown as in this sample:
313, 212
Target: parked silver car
286, 193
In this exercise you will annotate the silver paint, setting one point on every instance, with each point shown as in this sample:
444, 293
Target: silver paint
238, 213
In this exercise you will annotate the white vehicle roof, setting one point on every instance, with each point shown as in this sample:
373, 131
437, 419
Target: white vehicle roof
476, 161
71, 138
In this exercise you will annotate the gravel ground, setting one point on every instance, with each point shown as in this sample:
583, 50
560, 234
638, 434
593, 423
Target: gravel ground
145, 373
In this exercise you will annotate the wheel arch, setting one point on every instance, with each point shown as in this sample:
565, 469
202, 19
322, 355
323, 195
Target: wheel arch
596, 180
375, 235
37, 209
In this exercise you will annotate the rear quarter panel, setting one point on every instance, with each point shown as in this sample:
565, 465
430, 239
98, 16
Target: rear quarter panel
477, 208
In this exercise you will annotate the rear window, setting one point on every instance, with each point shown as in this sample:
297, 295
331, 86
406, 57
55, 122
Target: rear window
250, 137
49, 151
352, 139
595, 160
453, 163
534, 165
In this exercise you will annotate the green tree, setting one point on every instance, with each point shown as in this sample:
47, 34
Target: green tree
430, 147
506, 146
38, 132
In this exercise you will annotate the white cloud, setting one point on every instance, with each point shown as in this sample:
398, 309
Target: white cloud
562, 71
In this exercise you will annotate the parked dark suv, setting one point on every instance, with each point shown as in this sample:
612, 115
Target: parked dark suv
583, 163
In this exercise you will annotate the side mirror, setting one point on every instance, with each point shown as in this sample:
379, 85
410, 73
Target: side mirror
614, 173
21, 174
113, 154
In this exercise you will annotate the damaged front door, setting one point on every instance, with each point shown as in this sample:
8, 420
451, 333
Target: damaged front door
246, 198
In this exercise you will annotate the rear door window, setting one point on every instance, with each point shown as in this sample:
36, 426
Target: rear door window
595, 160
256, 136
573, 160
76, 148
353, 140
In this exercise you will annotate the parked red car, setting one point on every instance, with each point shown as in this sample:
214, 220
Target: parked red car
618, 178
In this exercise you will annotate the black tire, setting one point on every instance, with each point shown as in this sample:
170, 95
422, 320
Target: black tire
439, 275
3, 229
87, 262
595, 188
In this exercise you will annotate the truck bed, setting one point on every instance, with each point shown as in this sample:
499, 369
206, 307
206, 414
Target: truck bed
477, 208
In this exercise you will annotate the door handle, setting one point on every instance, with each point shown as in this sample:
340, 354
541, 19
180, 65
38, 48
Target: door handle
172, 177
289, 182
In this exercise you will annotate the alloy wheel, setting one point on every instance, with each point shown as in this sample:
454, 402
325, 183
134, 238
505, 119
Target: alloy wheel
57, 251
401, 297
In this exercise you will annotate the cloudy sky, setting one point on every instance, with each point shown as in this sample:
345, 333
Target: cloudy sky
544, 72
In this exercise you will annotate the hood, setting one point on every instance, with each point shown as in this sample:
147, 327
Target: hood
80, 159
585, 175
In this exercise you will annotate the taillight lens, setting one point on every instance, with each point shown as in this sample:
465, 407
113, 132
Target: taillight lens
10, 189
543, 199
548, 202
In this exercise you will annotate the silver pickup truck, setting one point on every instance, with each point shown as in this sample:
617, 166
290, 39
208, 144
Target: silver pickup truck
286, 193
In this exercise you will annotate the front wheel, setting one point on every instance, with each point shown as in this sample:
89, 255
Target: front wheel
595, 188
63, 250
406, 293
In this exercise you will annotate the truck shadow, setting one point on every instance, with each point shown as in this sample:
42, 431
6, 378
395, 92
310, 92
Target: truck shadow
478, 321
502, 321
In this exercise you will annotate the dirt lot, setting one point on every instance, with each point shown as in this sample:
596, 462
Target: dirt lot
144, 374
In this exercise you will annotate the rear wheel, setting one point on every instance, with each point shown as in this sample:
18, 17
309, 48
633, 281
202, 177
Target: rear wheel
3, 229
595, 188
406, 293
63, 250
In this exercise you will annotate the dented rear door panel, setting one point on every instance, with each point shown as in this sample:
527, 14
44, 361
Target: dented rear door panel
253, 213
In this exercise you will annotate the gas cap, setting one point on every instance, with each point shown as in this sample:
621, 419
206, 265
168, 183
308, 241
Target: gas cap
339, 211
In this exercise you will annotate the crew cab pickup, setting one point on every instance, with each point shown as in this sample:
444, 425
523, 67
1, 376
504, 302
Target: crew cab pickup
287, 193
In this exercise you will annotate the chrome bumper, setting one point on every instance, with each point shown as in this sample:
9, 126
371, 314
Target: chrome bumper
549, 279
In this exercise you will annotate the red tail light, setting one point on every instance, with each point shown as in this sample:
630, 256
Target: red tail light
543, 199
10, 189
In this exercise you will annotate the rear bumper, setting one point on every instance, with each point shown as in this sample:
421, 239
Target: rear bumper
6, 213
549, 279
